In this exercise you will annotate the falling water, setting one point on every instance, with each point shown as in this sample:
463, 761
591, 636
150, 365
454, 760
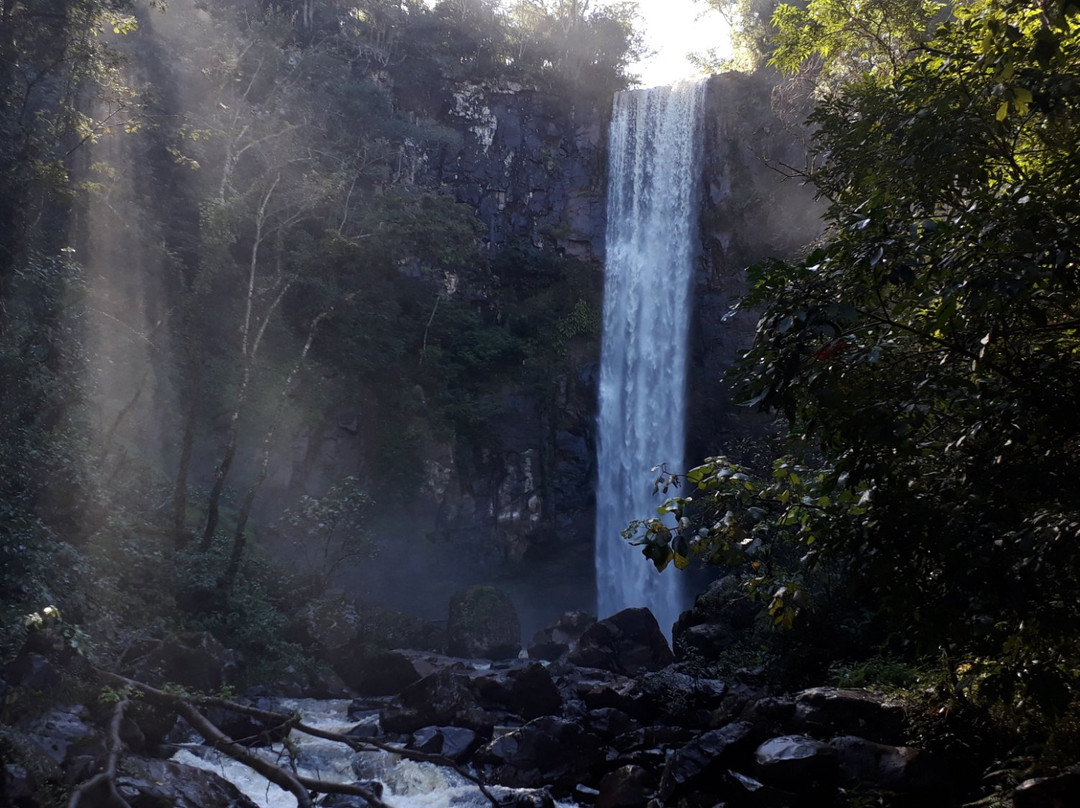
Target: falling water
653, 170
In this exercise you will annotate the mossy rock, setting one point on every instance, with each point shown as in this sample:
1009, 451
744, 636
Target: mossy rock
483, 623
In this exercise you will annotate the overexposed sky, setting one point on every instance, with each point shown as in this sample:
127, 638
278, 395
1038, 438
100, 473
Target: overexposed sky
674, 28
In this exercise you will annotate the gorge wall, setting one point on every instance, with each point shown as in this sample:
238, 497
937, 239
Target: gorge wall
532, 166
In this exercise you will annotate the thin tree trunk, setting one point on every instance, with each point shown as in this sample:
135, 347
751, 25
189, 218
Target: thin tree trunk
187, 446
239, 536
249, 348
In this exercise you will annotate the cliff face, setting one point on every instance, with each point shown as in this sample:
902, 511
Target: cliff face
532, 165
752, 209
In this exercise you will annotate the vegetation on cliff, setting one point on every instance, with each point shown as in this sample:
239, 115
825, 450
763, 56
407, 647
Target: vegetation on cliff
221, 225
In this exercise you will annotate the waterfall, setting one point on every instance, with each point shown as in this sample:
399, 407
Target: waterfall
652, 234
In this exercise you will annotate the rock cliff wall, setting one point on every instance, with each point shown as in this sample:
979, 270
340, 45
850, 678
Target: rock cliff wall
532, 165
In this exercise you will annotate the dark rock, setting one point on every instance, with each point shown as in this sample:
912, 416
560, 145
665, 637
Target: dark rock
744, 789
528, 691
371, 672
351, 800
585, 795
626, 787
719, 618
796, 762
367, 729
548, 751
826, 711
31, 671
560, 637
677, 698
245, 729
456, 743
1060, 791
17, 787
705, 758
657, 737
67, 735
195, 660
770, 710
626, 642
483, 623
527, 798
608, 722
863, 762
443, 698
148, 783
324, 683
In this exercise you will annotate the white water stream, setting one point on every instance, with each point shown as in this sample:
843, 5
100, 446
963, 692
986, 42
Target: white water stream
652, 240
406, 783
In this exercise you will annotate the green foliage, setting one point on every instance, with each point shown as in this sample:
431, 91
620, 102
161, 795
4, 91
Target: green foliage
926, 357
842, 39
328, 531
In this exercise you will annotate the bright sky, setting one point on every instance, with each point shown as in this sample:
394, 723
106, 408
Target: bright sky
674, 28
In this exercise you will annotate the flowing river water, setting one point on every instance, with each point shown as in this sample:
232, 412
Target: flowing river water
406, 783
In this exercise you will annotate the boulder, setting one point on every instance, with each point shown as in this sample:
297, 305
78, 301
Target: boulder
705, 758
796, 762
865, 763
372, 671
560, 637
1059, 791
192, 659
68, 736
626, 787
608, 722
148, 783
626, 642
827, 711
548, 751
443, 698
483, 623
528, 691
31, 671
719, 618
678, 698
456, 743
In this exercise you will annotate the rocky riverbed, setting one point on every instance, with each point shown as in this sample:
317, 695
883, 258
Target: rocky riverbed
593, 713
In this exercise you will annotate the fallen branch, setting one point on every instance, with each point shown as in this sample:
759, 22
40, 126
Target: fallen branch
357, 744
106, 777
219, 740
187, 707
